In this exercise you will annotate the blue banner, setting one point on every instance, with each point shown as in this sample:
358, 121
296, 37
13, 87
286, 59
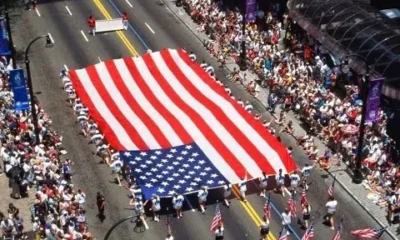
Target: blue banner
251, 6
374, 100
19, 89
4, 42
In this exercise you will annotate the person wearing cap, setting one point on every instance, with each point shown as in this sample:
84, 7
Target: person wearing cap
156, 207
227, 194
202, 196
177, 203
97, 138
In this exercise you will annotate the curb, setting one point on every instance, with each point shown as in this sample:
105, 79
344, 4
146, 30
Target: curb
365, 208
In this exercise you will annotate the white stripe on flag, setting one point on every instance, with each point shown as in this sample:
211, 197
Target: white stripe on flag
187, 123
125, 108
251, 134
223, 134
103, 110
141, 99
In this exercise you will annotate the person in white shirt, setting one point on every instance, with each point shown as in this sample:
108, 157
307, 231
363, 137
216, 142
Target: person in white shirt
192, 56
263, 184
280, 181
243, 188
286, 218
139, 209
306, 172
169, 237
227, 194
156, 207
248, 107
117, 167
331, 206
177, 203
202, 196
294, 180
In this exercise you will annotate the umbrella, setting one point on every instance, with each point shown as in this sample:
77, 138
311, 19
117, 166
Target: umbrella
350, 129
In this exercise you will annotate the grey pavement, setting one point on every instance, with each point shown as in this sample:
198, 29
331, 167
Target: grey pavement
343, 174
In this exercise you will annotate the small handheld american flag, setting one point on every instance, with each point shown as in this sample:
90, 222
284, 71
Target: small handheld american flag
303, 200
369, 233
168, 223
331, 187
339, 232
283, 235
309, 234
267, 207
217, 219
292, 207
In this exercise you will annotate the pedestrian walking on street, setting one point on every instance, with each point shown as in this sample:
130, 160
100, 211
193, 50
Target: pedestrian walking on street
294, 181
280, 181
331, 206
286, 219
306, 214
264, 228
202, 196
227, 194
156, 207
243, 188
139, 209
101, 203
125, 20
177, 203
92, 25
219, 232
306, 172
263, 185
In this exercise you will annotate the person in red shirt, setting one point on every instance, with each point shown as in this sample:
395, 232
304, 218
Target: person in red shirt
92, 24
125, 20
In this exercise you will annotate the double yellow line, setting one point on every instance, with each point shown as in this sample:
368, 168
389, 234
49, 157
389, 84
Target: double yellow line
250, 210
121, 35
246, 205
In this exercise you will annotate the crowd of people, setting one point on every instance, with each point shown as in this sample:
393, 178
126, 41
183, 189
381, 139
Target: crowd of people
302, 77
37, 168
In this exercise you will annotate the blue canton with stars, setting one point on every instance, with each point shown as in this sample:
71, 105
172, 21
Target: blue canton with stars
182, 169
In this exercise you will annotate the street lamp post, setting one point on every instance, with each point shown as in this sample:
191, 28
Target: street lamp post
243, 63
357, 173
30, 85
10, 39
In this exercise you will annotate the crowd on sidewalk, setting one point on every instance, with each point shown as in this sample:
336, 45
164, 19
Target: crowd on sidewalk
37, 168
303, 77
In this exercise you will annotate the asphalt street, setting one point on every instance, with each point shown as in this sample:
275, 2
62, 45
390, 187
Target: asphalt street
154, 27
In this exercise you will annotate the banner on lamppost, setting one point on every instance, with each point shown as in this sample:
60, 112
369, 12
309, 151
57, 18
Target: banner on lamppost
4, 42
373, 100
18, 86
251, 7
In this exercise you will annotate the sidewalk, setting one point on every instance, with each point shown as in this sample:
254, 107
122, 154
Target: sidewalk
342, 173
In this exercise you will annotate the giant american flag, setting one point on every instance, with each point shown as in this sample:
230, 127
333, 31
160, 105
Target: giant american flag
162, 102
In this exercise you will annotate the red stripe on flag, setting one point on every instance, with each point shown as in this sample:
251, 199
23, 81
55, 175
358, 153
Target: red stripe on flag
94, 113
271, 140
136, 108
172, 120
216, 110
115, 110
223, 150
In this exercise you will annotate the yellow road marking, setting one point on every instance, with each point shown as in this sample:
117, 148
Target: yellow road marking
121, 35
250, 210
246, 205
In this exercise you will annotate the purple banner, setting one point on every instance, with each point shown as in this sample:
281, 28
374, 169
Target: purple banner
251, 7
373, 100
